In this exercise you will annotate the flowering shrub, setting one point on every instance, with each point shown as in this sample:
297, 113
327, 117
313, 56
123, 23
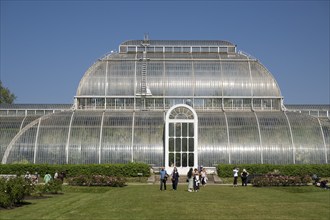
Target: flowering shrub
96, 180
280, 180
13, 190
226, 170
53, 186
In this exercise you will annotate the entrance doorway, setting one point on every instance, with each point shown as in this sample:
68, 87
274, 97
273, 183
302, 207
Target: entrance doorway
181, 138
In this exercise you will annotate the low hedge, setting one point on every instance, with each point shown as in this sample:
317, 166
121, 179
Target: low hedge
124, 170
323, 170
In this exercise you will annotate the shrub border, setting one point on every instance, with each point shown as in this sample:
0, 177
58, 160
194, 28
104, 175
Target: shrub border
323, 170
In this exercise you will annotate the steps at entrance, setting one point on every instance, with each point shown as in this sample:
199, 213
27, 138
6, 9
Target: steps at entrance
212, 179
212, 176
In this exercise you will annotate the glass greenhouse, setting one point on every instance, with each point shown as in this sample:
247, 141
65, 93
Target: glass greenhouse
165, 103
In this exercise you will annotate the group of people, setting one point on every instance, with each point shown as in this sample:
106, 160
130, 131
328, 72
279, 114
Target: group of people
34, 177
323, 184
320, 183
195, 177
57, 175
244, 176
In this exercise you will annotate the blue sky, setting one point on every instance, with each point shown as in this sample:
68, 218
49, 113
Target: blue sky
46, 46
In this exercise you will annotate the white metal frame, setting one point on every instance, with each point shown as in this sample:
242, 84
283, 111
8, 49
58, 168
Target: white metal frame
181, 169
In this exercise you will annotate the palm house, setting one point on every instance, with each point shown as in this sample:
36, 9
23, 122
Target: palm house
169, 102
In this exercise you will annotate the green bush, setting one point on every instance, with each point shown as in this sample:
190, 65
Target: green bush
53, 186
39, 190
14, 190
5, 201
124, 170
323, 170
4, 196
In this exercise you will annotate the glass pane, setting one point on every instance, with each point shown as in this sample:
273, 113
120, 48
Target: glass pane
178, 129
191, 130
191, 159
178, 159
171, 130
184, 129
184, 160
171, 144
191, 144
171, 159
178, 144
184, 144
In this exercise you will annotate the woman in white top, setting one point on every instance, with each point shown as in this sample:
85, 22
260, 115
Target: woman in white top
203, 177
235, 172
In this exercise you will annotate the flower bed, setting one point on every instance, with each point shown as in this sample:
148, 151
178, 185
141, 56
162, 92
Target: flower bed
280, 180
96, 180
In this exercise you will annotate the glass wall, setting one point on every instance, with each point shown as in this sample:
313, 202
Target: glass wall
244, 138
116, 143
51, 139
325, 124
213, 143
308, 139
148, 138
275, 138
82, 136
23, 149
10, 126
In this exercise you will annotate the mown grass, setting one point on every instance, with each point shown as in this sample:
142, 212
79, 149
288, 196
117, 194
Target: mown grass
147, 202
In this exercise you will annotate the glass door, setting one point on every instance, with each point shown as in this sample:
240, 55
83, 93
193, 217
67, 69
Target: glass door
181, 138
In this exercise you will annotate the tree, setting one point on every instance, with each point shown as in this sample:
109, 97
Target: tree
5, 95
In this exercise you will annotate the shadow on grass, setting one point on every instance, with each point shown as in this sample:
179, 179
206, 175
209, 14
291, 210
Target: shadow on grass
87, 189
26, 200
301, 189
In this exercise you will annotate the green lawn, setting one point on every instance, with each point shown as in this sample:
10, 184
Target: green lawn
147, 202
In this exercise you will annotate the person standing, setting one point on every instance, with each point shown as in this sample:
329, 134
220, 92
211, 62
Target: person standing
56, 175
35, 178
203, 177
27, 176
244, 176
163, 178
235, 173
47, 177
175, 178
196, 180
190, 180
61, 176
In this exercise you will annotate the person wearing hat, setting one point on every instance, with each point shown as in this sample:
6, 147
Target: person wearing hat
244, 176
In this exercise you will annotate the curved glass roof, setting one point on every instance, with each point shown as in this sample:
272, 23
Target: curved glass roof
179, 74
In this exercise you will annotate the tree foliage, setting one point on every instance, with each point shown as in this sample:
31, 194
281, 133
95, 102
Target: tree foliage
5, 95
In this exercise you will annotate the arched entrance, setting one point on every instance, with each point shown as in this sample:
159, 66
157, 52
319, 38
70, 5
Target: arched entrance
181, 138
